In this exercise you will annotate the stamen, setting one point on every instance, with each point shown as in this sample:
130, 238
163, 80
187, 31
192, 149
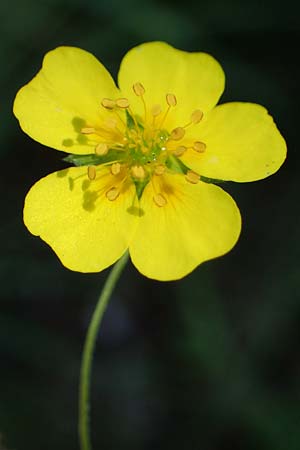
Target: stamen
122, 103
179, 151
159, 170
138, 172
91, 171
171, 99
199, 147
88, 130
159, 200
115, 168
101, 149
192, 177
196, 116
138, 89
177, 134
112, 194
111, 122
108, 103
156, 110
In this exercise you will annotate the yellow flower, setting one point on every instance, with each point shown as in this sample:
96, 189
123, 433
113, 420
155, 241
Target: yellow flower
145, 154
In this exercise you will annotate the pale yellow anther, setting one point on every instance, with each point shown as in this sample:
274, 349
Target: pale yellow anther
171, 99
91, 171
101, 149
159, 170
111, 122
192, 177
87, 130
108, 103
138, 172
196, 116
177, 134
159, 200
179, 151
199, 147
115, 168
155, 110
112, 194
122, 103
138, 89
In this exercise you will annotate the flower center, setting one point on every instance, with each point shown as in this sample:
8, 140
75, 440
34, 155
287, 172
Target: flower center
139, 148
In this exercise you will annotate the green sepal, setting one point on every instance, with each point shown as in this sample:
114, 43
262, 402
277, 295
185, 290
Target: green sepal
140, 186
176, 165
131, 123
93, 159
211, 180
129, 120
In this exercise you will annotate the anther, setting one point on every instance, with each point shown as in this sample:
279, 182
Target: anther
111, 122
159, 200
159, 170
122, 103
108, 103
112, 194
115, 168
171, 99
87, 130
196, 116
199, 147
101, 149
155, 110
177, 134
192, 177
91, 171
179, 151
138, 89
138, 172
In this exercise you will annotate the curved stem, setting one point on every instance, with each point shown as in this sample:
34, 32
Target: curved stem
88, 350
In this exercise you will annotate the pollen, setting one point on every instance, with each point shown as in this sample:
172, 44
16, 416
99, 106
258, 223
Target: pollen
138, 172
88, 130
159, 200
177, 134
192, 177
156, 110
115, 168
179, 151
111, 122
112, 194
160, 169
171, 100
101, 149
91, 171
138, 89
196, 116
199, 147
108, 103
144, 146
122, 103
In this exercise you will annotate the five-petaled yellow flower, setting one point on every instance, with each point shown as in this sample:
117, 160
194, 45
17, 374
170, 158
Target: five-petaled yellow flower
145, 154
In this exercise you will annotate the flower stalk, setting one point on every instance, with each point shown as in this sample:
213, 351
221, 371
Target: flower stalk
88, 351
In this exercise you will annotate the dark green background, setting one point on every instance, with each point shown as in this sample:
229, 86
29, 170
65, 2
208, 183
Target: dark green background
210, 362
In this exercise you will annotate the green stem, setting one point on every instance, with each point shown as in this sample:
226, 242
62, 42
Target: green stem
88, 350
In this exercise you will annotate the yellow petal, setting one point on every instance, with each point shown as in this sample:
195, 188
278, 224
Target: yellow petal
242, 144
64, 97
194, 223
196, 79
87, 231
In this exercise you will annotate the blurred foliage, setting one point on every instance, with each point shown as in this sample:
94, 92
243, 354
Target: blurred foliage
210, 362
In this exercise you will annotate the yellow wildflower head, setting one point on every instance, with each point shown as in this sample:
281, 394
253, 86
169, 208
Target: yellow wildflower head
144, 155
